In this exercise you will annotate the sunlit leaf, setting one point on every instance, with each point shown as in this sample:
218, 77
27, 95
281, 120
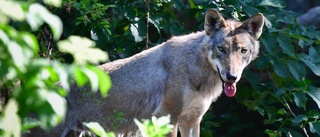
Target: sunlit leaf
30, 41
97, 129
104, 80
93, 79
12, 9
273, 3
59, 106
156, 22
16, 54
10, 121
80, 77
82, 49
56, 3
38, 14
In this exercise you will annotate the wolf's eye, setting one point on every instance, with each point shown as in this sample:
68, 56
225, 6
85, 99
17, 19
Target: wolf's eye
221, 49
244, 51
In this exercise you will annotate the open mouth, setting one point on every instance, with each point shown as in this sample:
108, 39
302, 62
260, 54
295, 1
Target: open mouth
229, 88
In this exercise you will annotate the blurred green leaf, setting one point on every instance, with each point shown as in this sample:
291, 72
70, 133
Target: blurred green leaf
10, 122
56, 102
156, 127
38, 14
104, 80
12, 9
80, 77
98, 130
56, 3
17, 56
82, 49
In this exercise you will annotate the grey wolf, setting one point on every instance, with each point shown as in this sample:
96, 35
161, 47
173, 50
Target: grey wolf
180, 77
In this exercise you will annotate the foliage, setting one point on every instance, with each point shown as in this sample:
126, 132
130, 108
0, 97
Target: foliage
29, 83
156, 127
98, 130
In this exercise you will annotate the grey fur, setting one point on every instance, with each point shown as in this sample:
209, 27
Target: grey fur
180, 77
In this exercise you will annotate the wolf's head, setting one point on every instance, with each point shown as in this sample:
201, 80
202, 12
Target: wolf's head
233, 45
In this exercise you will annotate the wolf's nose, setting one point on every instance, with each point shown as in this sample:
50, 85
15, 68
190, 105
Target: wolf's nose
231, 78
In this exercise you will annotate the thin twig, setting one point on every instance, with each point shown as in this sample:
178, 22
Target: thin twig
223, 4
148, 16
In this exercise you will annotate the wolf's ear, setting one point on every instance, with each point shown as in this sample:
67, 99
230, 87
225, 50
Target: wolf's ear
254, 25
213, 22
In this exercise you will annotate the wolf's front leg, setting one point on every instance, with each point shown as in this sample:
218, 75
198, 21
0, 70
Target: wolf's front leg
189, 126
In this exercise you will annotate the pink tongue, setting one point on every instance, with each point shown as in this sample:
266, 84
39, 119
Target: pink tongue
230, 89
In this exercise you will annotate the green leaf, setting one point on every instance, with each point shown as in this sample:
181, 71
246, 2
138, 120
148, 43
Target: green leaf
12, 9
314, 93
268, 42
93, 78
38, 14
31, 41
137, 31
280, 69
300, 99
59, 106
286, 44
17, 55
273, 3
80, 77
312, 60
98, 130
157, 127
291, 132
300, 118
29, 123
104, 80
297, 69
10, 121
314, 127
83, 50
156, 22
56, 3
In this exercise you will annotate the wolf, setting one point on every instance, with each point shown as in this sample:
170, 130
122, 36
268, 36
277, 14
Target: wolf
180, 77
